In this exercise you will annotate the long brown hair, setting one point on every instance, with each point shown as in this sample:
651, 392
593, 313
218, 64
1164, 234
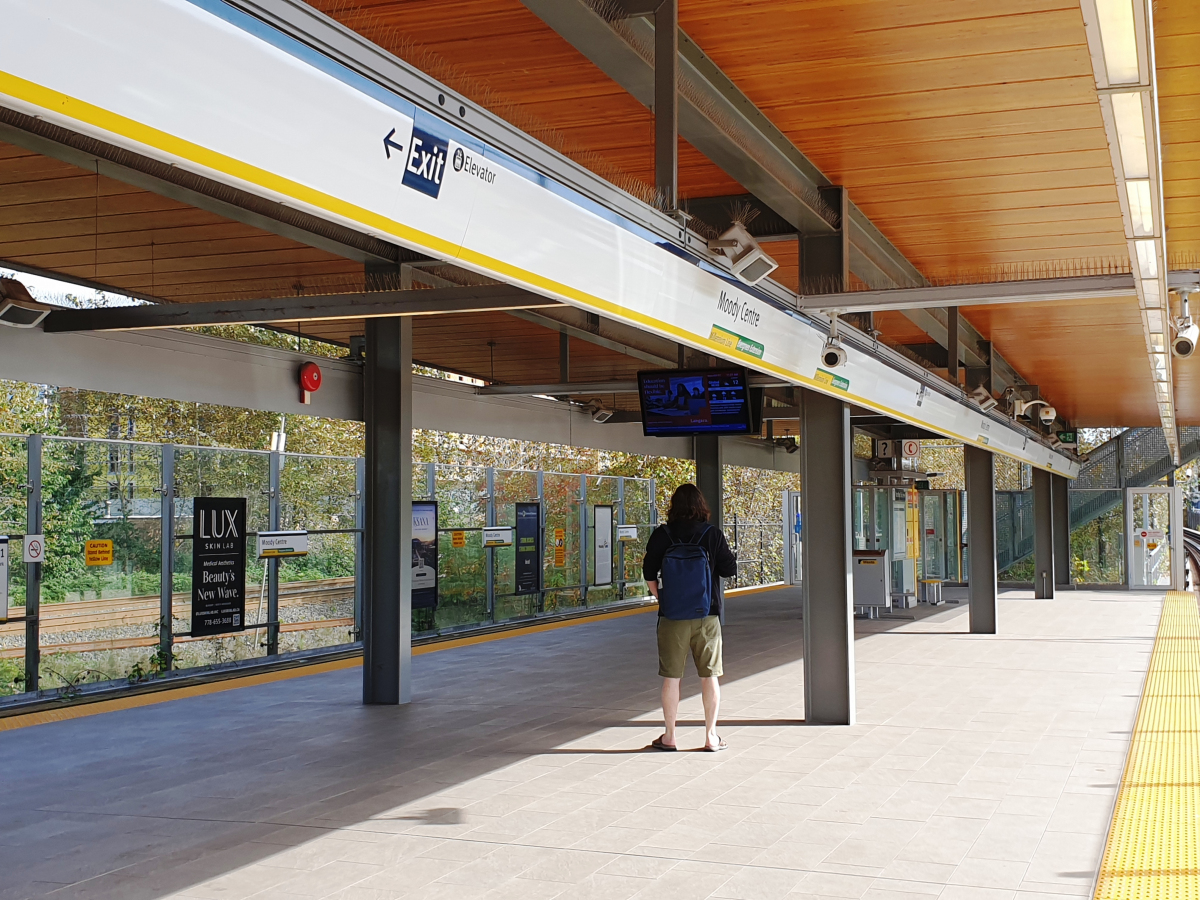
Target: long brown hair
687, 505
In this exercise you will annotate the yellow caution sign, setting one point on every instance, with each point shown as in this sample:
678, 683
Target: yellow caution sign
560, 548
98, 553
458, 539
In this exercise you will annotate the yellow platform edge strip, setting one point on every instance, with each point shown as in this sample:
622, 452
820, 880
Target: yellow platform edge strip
1153, 848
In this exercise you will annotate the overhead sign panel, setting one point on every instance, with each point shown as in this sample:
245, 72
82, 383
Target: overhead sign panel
375, 162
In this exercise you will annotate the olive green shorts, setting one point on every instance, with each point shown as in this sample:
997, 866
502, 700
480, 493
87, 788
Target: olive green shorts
701, 636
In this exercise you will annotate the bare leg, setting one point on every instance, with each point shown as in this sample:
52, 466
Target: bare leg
670, 704
710, 689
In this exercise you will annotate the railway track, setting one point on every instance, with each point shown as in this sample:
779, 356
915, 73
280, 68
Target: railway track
90, 615
1191, 549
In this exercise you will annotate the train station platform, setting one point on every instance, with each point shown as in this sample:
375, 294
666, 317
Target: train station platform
981, 766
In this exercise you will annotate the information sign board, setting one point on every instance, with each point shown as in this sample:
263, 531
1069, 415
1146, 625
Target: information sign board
282, 543
602, 546
424, 554
529, 548
498, 537
218, 565
98, 553
626, 533
910, 449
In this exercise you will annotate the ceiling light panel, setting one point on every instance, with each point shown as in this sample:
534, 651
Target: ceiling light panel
1120, 37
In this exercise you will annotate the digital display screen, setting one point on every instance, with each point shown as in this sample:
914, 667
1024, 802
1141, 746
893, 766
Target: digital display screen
694, 401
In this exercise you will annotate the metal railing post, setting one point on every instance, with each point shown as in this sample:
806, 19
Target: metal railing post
33, 571
275, 476
360, 518
583, 540
491, 551
431, 480
620, 544
166, 612
541, 498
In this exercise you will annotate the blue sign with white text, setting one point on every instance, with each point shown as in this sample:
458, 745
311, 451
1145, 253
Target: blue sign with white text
426, 163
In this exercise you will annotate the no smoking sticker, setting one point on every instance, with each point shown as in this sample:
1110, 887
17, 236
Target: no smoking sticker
35, 548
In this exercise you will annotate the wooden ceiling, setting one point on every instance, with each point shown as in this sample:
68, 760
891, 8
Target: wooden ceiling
64, 219
967, 130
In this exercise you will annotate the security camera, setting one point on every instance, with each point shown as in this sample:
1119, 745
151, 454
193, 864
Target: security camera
17, 308
600, 414
983, 399
1047, 414
1186, 339
1186, 331
747, 260
832, 354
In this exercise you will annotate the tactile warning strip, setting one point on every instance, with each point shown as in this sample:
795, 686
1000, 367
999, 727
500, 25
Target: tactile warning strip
1153, 850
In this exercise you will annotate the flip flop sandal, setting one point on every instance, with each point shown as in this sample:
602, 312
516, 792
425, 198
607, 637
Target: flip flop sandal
717, 749
658, 744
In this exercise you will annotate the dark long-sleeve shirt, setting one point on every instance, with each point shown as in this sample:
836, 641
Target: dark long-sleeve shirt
720, 557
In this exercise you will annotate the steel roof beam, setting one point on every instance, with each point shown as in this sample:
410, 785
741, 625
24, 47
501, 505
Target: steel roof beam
1043, 290
719, 120
482, 298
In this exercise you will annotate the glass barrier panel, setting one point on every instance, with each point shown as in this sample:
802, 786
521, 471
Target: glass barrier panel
1097, 537
562, 575
316, 594
100, 579
208, 472
512, 487
462, 570
602, 490
630, 553
13, 494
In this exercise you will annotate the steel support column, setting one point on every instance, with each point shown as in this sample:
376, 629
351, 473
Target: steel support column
825, 258
666, 103
166, 583
1043, 535
952, 344
825, 447
710, 474
1059, 487
387, 598
981, 532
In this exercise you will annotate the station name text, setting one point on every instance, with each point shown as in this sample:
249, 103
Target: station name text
740, 312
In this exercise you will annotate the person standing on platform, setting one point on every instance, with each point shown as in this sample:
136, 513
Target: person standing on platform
684, 562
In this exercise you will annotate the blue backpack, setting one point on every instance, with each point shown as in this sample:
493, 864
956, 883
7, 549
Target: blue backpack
685, 579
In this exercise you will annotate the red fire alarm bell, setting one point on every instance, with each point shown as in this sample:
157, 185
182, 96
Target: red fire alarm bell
310, 381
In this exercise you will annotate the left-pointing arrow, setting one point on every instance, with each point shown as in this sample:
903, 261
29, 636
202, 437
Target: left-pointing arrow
388, 144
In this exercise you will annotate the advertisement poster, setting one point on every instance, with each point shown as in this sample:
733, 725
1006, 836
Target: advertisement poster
529, 548
218, 565
602, 536
424, 555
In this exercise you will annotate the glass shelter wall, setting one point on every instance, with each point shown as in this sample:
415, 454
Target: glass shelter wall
114, 593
